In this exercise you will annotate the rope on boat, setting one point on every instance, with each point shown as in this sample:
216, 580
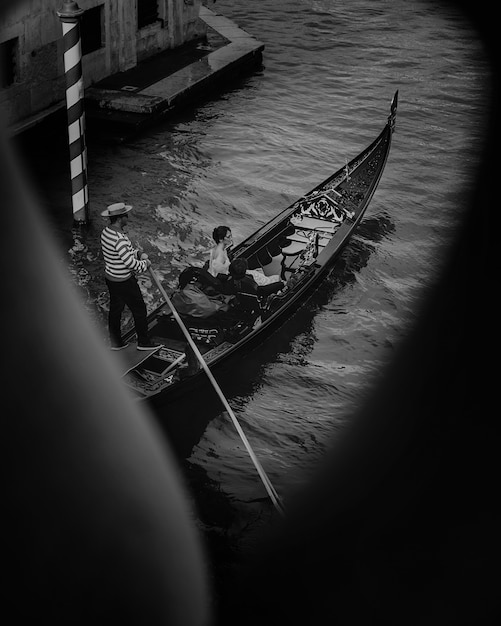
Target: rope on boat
262, 474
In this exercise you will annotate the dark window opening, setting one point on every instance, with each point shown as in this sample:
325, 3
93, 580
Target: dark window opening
91, 29
8, 63
147, 12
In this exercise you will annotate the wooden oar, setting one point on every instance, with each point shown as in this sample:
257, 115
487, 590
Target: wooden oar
262, 474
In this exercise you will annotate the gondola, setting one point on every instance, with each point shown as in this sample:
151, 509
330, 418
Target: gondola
301, 244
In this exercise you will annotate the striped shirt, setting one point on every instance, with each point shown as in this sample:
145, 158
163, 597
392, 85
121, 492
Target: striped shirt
120, 258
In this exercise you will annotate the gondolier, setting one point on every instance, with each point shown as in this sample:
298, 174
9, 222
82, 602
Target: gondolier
122, 262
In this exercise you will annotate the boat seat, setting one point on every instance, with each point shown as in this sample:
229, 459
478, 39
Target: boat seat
264, 260
275, 247
315, 223
323, 239
299, 243
297, 236
295, 247
274, 267
263, 257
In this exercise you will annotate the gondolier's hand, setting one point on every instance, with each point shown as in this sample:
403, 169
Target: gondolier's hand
144, 257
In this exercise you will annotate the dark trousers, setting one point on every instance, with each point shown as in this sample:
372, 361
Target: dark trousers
126, 292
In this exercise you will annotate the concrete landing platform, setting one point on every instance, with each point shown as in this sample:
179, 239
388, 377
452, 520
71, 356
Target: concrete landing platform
162, 84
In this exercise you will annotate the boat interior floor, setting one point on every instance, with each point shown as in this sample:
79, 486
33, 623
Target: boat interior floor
130, 357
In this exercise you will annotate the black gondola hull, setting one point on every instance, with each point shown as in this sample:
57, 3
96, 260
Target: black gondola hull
303, 241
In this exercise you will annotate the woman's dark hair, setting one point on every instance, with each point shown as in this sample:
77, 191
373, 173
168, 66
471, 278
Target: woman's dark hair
238, 267
219, 233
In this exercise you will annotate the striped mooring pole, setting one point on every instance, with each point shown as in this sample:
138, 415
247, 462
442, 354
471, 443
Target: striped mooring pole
69, 14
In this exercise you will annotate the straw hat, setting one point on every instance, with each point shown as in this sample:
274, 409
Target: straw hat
119, 208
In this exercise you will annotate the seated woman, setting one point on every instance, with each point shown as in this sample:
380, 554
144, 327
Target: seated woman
219, 261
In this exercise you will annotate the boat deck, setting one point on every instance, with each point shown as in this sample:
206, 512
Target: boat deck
130, 357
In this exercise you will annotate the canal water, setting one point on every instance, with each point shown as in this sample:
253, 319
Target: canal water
323, 94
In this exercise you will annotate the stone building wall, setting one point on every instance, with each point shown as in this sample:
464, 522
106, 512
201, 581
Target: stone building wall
32, 82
